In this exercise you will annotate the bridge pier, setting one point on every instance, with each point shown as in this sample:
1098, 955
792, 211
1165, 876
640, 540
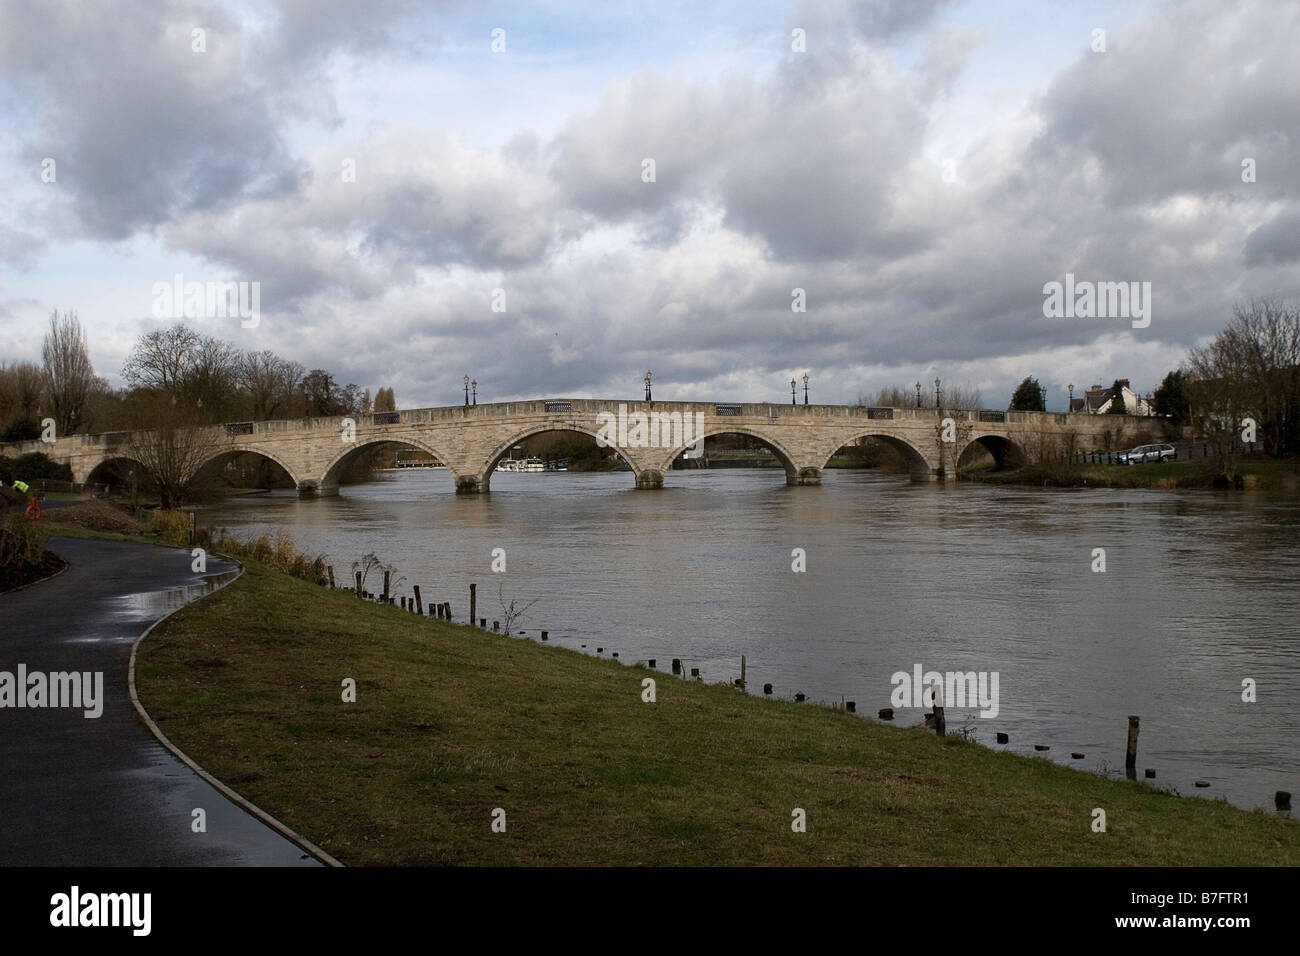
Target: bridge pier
314, 489
471, 485
650, 478
804, 476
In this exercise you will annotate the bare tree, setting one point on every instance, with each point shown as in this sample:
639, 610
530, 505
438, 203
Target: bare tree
68, 374
269, 382
1265, 339
173, 447
894, 396
1221, 397
202, 373
160, 360
212, 379
20, 391
513, 611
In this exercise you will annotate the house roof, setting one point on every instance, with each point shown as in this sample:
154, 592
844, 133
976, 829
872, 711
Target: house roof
1095, 398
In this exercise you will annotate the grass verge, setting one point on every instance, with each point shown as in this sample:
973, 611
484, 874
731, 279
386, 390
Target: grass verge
451, 722
1257, 474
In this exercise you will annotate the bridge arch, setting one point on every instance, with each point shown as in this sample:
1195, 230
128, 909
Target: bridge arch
793, 469
1006, 452
502, 448
231, 451
110, 464
918, 465
328, 483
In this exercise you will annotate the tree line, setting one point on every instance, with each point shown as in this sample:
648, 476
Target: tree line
173, 372
1242, 387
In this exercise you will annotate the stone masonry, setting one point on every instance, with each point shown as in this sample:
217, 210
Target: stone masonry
470, 440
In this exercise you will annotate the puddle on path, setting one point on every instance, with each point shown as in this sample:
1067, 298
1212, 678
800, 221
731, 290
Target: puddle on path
150, 605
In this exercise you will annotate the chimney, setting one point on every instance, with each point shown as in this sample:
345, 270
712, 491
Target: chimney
1123, 383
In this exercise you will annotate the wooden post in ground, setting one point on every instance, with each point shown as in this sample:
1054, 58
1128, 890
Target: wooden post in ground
473, 602
419, 604
360, 593
940, 727
386, 573
742, 671
1131, 753
330, 569
446, 610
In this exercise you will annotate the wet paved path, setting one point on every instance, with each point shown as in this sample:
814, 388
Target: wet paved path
104, 791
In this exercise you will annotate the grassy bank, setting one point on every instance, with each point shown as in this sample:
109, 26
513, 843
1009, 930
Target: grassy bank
1257, 474
451, 722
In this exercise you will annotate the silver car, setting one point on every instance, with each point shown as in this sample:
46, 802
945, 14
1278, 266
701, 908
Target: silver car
1145, 453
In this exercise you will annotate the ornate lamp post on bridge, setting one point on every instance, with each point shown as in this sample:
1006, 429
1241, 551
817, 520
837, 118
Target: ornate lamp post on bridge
938, 402
647, 385
805, 388
1042, 390
918, 394
793, 385
467, 391
474, 385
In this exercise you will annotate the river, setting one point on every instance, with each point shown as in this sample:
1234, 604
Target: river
1199, 594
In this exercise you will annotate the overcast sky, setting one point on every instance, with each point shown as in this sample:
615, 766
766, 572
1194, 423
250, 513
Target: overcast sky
921, 170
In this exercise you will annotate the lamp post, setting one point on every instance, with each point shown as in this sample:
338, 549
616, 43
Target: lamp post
938, 403
805, 388
918, 394
793, 385
474, 385
1070, 407
647, 385
467, 391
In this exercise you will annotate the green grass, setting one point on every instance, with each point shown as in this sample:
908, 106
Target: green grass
1258, 474
451, 722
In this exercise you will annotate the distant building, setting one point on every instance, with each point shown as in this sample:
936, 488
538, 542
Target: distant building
1098, 400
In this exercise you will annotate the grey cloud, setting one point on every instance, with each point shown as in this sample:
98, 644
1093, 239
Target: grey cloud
886, 19
1276, 242
1180, 100
816, 171
144, 128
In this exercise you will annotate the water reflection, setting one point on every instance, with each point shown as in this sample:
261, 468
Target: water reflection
151, 605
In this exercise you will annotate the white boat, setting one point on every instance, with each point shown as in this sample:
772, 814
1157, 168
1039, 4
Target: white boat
523, 464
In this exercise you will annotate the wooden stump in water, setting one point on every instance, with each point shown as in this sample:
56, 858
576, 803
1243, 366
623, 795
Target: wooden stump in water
1131, 752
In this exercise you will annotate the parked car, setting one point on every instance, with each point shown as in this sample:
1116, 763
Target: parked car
1145, 453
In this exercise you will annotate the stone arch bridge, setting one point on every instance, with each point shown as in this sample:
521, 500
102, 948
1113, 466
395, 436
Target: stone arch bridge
470, 440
